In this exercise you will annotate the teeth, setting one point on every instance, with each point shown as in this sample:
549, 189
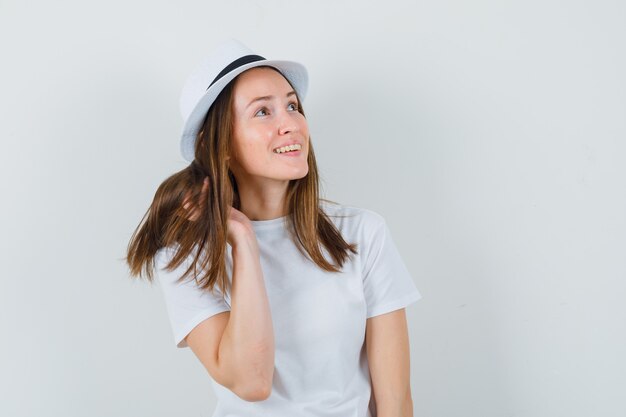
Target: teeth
295, 147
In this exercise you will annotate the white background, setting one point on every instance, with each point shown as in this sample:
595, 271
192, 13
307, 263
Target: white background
490, 134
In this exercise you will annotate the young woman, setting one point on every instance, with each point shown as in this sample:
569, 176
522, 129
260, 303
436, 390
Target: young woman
294, 304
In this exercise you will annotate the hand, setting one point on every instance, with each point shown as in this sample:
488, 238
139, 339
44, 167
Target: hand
239, 227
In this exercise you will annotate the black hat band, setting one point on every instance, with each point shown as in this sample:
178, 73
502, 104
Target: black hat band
246, 59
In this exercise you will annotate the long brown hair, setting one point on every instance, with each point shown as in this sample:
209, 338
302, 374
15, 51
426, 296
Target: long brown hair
166, 223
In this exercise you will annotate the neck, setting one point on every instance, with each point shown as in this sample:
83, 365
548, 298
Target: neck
264, 201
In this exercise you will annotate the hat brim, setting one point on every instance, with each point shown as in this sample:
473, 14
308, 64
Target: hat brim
296, 74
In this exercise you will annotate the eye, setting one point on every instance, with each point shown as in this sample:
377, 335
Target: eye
294, 105
261, 110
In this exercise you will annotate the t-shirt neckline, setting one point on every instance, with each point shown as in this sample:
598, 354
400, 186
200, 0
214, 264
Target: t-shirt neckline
269, 224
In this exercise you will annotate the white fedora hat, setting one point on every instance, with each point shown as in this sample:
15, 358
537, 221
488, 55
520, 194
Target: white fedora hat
202, 87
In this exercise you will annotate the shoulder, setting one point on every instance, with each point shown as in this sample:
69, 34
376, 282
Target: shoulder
352, 219
165, 254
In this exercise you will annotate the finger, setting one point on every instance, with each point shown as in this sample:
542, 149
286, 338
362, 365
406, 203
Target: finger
186, 201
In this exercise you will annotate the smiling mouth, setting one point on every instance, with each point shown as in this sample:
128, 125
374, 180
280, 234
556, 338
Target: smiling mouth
287, 149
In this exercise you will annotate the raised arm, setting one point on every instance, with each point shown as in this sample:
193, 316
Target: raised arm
237, 347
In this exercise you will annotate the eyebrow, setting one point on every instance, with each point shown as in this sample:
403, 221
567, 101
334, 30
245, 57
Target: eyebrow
291, 93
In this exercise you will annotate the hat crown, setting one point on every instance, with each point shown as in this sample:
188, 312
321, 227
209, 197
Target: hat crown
199, 80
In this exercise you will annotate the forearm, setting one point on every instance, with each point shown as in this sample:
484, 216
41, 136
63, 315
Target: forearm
408, 407
248, 339
396, 408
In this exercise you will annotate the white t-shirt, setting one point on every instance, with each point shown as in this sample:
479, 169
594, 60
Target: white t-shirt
319, 317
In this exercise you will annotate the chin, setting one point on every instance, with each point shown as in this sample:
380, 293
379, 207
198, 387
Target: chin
304, 173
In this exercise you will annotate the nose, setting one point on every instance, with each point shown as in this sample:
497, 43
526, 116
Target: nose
286, 122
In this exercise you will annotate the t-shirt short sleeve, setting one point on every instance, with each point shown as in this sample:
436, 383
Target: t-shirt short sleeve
387, 283
187, 304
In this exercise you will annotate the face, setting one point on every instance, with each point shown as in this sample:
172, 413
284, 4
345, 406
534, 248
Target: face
266, 117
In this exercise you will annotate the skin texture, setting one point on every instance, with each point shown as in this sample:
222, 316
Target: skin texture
262, 175
388, 354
